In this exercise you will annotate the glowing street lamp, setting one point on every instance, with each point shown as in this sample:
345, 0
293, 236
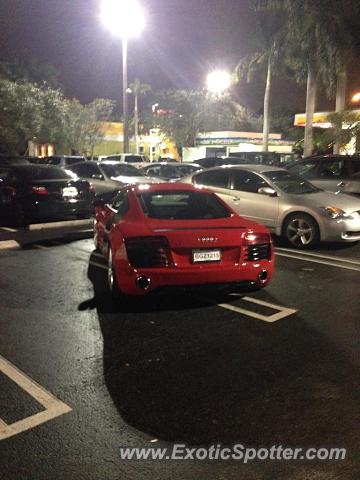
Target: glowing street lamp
218, 81
356, 97
125, 19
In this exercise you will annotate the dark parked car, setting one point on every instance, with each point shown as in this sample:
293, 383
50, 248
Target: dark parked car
209, 162
63, 161
335, 173
170, 171
13, 160
265, 158
107, 175
40, 192
249, 158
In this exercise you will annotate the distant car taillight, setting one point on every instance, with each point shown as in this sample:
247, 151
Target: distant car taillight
148, 252
257, 246
40, 190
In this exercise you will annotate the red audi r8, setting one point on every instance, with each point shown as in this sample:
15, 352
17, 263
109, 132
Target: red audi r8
178, 235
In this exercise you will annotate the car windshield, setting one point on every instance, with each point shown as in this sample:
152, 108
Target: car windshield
120, 169
289, 183
182, 205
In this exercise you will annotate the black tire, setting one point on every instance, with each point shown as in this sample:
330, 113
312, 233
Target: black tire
300, 230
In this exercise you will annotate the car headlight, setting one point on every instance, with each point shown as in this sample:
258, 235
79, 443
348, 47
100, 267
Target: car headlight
335, 212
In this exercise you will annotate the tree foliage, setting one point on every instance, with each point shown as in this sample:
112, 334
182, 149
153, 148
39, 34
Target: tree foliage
83, 128
183, 114
29, 112
37, 112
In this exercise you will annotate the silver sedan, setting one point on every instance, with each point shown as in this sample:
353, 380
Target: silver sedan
287, 204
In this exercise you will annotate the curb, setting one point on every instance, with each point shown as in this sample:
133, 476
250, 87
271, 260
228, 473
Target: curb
9, 245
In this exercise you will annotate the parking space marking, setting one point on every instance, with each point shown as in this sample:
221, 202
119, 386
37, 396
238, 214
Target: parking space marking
322, 262
9, 244
53, 406
8, 229
282, 312
326, 257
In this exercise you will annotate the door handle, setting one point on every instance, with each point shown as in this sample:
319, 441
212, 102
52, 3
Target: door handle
341, 184
235, 199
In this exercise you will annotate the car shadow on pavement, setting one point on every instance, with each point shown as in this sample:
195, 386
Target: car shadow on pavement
185, 370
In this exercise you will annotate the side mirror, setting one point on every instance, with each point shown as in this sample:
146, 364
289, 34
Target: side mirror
267, 191
97, 177
98, 203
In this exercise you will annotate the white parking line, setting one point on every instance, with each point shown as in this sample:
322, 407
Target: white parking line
326, 257
53, 406
282, 312
9, 244
8, 229
322, 262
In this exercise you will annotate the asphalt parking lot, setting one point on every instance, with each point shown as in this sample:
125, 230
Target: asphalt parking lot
82, 375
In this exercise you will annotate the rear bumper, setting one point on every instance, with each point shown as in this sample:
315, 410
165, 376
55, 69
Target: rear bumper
57, 209
130, 280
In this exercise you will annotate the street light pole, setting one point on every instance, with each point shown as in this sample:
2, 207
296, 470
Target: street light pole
125, 19
125, 95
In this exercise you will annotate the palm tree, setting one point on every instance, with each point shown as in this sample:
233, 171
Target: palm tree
137, 88
318, 39
269, 53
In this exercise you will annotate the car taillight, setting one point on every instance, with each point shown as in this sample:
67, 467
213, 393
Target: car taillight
40, 190
257, 246
148, 252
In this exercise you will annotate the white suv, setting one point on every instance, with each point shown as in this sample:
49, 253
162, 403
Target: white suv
137, 160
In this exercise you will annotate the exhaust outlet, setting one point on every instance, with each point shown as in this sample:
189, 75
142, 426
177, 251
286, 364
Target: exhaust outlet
143, 283
263, 276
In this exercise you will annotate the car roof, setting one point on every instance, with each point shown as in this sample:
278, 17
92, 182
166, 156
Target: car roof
172, 164
32, 166
166, 186
249, 167
331, 156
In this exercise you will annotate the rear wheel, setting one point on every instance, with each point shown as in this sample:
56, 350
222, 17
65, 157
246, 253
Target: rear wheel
301, 231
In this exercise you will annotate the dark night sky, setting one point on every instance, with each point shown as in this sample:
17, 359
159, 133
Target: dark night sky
183, 40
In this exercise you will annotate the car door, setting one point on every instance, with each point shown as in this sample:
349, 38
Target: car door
216, 180
332, 175
248, 202
353, 181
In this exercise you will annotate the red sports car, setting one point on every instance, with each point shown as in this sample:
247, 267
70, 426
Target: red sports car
175, 234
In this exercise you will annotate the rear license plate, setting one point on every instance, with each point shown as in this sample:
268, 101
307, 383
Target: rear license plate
70, 192
206, 256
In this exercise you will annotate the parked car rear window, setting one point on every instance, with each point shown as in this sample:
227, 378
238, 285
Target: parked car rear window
119, 169
182, 205
45, 173
133, 159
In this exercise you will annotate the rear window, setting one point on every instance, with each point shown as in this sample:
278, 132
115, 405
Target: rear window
53, 160
133, 159
45, 173
182, 205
